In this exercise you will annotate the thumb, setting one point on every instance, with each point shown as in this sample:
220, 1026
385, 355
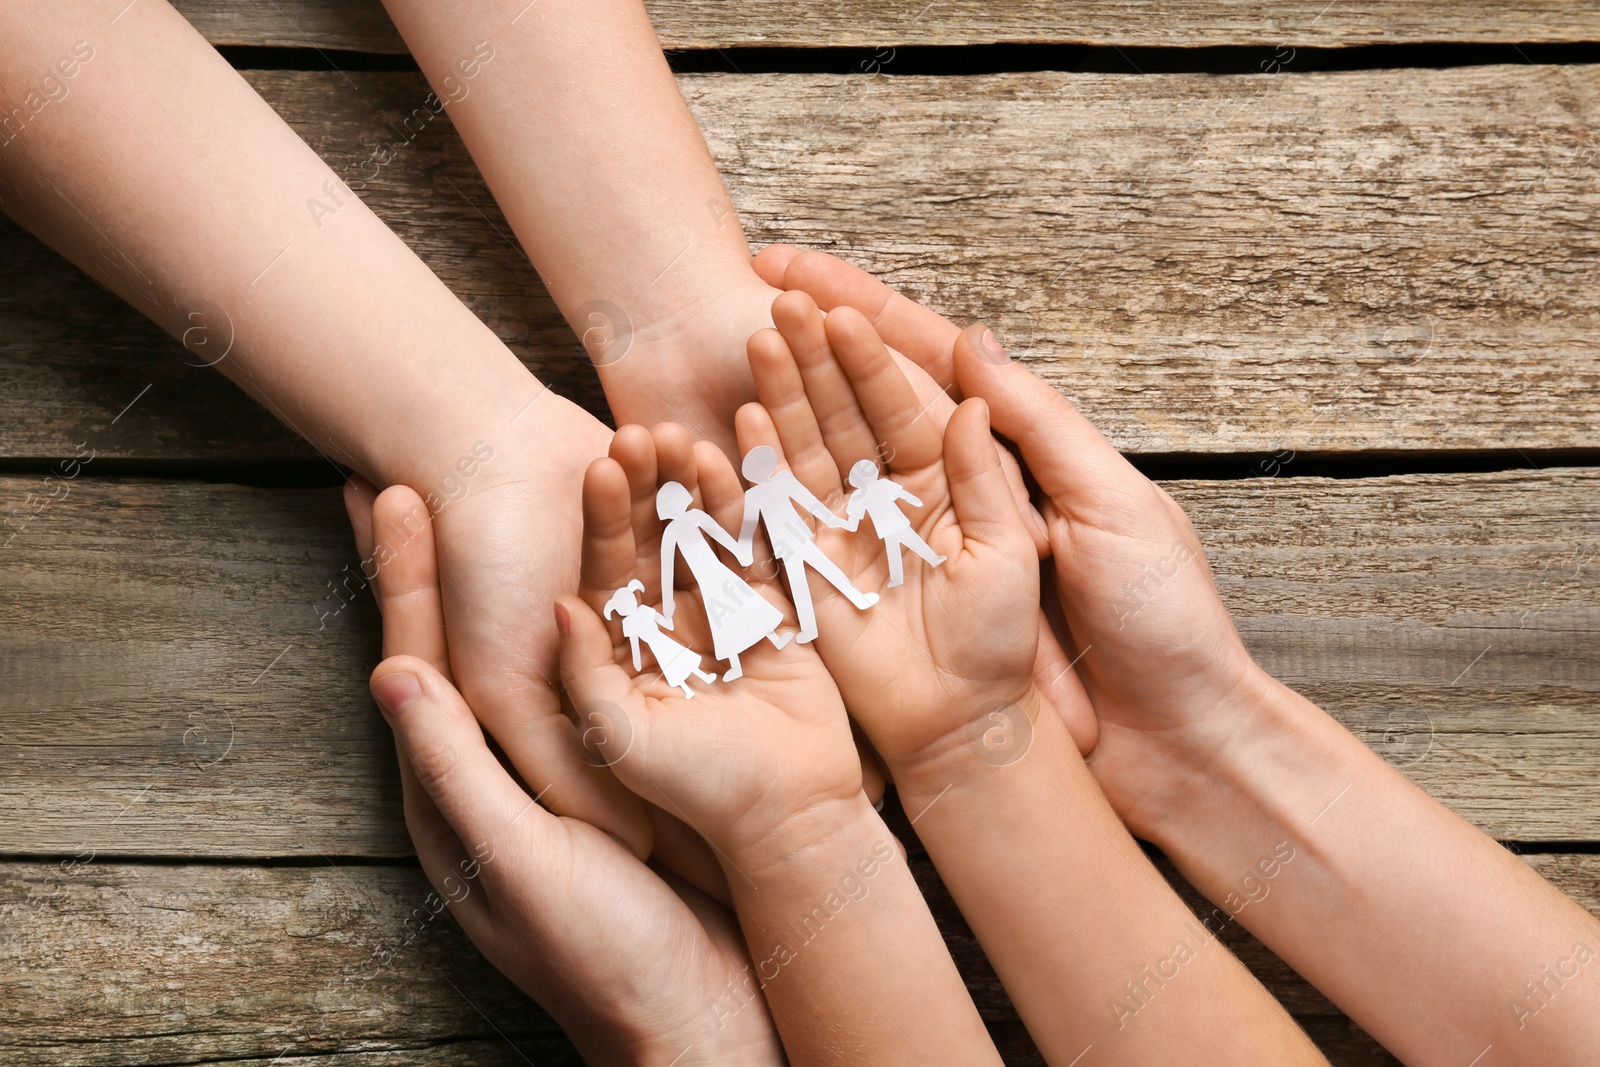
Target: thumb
1061, 448
601, 691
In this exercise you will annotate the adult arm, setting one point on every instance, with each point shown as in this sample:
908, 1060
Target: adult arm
163, 174
589, 149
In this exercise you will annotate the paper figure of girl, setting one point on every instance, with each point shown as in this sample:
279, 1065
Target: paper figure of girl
642, 623
739, 616
878, 498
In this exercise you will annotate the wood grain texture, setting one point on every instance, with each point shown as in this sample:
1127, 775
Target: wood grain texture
361, 25
1378, 260
182, 680
198, 964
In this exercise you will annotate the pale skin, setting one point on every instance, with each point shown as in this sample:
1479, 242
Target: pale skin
578, 127
1449, 950
845, 950
545, 896
1102, 959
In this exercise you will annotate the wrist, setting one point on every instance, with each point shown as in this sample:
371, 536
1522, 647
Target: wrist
526, 435
981, 752
1274, 763
804, 844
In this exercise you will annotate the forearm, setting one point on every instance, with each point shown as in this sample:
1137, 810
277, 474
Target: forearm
845, 950
164, 175
1095, 949
580, 131
1432, 937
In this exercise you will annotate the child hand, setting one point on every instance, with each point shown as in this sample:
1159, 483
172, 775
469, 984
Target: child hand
952, 643
636, 965
736, 759
1157, 650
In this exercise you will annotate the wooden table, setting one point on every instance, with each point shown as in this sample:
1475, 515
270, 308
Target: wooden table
1350, 318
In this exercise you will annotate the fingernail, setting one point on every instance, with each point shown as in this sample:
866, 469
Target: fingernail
991, 350
395, 692
563, 619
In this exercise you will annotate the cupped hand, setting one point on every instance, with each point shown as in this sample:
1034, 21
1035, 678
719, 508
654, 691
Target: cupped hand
1152, 640
737, 759
505, 520
636, 965
1156, 648
922, 342
954, 640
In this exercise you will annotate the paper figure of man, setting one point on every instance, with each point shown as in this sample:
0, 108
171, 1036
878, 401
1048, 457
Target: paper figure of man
770, 502
642, 623
878, 499
739, 616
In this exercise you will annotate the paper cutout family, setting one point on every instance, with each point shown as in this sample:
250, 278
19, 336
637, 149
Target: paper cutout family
739, 617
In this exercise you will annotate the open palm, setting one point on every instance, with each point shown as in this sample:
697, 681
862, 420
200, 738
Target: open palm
950, 643
734, 758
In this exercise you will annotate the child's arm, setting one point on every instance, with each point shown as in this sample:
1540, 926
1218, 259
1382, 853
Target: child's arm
1419, 927
1436, 940
1100, 956
579, 129
163, 174
841, 942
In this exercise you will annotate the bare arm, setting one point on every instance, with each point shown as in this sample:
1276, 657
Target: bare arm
579, 128
1449, 947
164, 175
216, 217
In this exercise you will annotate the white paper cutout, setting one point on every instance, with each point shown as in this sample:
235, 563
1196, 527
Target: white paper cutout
642, 623
878, 498
770, 502
739, 616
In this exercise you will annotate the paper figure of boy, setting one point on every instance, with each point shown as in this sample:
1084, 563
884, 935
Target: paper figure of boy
642, 623
739, 616
770, 501
878, 499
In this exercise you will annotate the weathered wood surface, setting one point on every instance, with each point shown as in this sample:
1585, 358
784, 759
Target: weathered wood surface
333, 975
1391, 260
362, 25
182, 681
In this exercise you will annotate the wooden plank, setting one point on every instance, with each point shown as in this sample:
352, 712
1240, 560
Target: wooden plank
198, 964
175, 650
361, 25
1385, 260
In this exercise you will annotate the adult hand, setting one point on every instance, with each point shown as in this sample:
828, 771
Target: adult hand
636, 965
506, 522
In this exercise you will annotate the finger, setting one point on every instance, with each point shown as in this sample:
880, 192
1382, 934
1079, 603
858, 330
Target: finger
903, 428
408, 578
844, 428
979, 492
1062, 449
358, 497
721, 491
925, 336
634, 448
675, 460
444, 746
609, 707
1062, 688
609, 560
443, 857
770, 262
782, 392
